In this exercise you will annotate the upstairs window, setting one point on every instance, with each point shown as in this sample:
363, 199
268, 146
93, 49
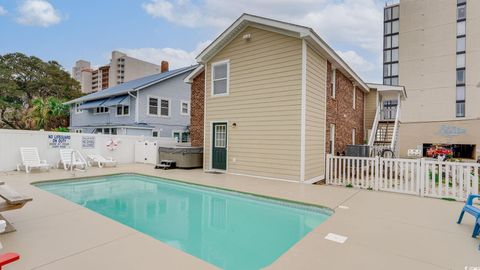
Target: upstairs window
461, 12
158, 106
77, 108
333, 82
100, 110
123, 110
185, 108
220, 80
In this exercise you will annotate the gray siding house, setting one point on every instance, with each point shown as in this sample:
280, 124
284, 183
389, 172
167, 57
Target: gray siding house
156, 105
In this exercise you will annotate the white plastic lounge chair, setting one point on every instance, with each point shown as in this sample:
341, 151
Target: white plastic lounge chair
101, 161
13, 200
71, 159
31, 160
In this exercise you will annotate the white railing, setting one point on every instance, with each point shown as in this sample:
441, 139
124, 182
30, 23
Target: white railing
430, 178
373, 134
393, 145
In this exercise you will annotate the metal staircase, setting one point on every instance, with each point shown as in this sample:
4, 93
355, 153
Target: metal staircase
384, 136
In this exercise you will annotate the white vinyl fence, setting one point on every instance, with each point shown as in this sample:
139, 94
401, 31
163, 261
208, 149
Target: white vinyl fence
420, 177
48, 144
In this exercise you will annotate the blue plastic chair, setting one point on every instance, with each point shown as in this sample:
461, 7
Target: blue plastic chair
472, 210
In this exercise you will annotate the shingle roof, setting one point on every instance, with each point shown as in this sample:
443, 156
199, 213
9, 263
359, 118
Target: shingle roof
133, 85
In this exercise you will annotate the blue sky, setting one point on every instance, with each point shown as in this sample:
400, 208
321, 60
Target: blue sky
176, 30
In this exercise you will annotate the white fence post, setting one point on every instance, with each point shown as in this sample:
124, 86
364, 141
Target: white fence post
422, 178
327, 169
377, 172
475, 179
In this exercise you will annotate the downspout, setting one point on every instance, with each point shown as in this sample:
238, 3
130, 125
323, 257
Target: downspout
136, 105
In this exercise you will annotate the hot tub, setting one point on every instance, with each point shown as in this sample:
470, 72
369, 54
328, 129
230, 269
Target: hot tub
186, 157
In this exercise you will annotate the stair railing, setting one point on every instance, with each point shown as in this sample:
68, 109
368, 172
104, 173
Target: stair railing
393, 144
373, 134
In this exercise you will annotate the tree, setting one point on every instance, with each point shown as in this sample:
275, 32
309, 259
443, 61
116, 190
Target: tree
24, 79
47, 113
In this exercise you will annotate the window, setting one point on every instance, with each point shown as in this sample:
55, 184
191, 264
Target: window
394, 55
100, 110
112, 131
460, 109
394, 69
334, 84
332, 139
461, 28
460, 93
395, 27
461, 60
388, 14
354, 96
394, 41
156, 109
460, 76
181, 136
184, 107
153, 106
461, 44
388, 28
388, 42
77, 108
123, 110
396, 12
387, 56
394, 81
78, 131
220, 73
154, 133
220, 136
461, 12
354, 136
165, 107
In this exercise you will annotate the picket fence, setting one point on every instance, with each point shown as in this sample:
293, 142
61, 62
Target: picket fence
422, 177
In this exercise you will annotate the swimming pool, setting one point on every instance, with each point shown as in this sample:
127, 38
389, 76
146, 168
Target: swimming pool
228, 229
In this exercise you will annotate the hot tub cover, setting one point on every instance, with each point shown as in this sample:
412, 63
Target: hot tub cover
181, 150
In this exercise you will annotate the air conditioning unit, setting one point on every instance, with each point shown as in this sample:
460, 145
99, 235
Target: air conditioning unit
358, 151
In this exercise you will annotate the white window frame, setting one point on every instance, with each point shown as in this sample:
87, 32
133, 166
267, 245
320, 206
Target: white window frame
180, 135
77, 110
334, 83
354, 97
78, 130
228, 78
181, 107
104, 112
158, 133
159, 106
122, 106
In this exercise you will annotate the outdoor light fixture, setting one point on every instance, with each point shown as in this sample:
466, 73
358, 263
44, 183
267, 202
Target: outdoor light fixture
247, 37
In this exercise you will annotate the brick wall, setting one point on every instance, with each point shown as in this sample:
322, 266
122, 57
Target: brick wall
197, 109
341, 113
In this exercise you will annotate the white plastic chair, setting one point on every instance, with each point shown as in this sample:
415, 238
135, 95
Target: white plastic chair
71, 159
31, 160
101, 161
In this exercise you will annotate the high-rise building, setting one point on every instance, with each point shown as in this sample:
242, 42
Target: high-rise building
432, 48
122, 68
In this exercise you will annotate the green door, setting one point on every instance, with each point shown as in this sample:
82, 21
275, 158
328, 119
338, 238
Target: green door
219, 149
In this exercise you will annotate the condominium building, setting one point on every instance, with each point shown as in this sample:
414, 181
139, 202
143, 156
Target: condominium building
122, 68
432, 48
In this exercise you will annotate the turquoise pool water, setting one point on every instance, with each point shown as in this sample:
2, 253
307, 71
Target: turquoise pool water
227, 229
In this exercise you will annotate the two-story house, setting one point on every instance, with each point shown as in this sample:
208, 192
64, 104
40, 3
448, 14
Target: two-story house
157, 105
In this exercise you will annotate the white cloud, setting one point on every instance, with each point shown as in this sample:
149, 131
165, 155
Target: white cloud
3, 11
354, 26
177, 58
38, 13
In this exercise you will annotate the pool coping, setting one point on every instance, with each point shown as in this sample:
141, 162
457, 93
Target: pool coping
327, 210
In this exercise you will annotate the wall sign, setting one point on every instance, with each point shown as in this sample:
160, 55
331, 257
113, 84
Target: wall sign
88, 142
59, 141
451, 131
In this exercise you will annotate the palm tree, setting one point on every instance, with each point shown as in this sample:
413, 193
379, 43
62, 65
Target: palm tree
48, 113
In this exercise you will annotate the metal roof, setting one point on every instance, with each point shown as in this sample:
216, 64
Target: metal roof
133, 85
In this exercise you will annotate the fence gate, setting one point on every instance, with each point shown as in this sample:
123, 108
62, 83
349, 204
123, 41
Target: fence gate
420, 177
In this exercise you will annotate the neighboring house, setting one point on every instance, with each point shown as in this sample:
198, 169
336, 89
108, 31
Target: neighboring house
156, 105
431, 48
271, 99
122, 68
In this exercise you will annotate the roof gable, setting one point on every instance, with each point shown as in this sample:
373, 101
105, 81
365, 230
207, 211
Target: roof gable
285, 28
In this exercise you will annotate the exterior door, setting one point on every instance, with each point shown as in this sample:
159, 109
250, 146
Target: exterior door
219, 149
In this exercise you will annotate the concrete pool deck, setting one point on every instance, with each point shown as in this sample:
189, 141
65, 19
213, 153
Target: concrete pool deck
384, 230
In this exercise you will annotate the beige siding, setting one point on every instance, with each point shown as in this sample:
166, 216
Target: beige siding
370, 108
315, 115
264, 101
